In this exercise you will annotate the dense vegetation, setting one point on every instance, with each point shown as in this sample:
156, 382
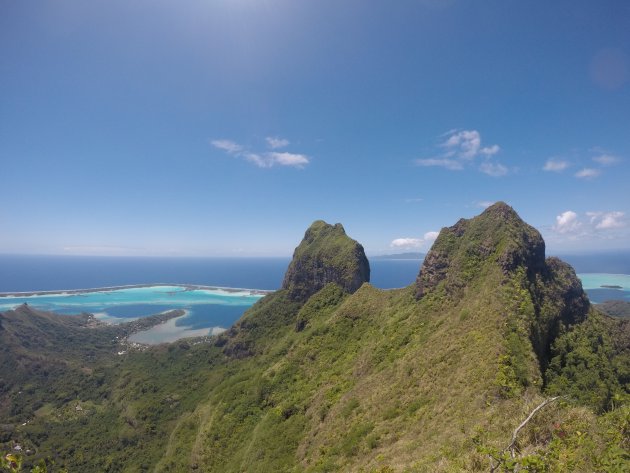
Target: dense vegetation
325, 254
433, 377
615, 308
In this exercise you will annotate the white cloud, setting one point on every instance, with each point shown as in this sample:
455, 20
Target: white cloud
606, 159
288, 159
567, 222
596, 226
490, 150
266, 159
463, 144
227, 145
447, 163
607, 220
593, 216
414, 199
460, 148
271, 159
587, 173
556, 165
257, 159
274, 142
484, 203
611, 220
407, 243
429, 237
493, 169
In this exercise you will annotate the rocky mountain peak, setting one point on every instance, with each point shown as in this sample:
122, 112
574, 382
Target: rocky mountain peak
325, 255
460, 252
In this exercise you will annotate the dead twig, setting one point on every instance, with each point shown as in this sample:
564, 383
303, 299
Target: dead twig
512, 444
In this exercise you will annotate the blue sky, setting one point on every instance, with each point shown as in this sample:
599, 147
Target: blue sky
227, 127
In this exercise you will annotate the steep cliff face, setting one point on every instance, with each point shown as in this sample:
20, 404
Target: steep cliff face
498, 240
325, 255
460, 252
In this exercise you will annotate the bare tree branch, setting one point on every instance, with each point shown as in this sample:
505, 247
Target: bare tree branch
512, 444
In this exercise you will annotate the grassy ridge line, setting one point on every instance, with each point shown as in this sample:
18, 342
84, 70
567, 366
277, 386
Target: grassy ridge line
373, 381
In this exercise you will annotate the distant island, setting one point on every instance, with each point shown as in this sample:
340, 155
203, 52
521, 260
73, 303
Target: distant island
409, 255
611, 286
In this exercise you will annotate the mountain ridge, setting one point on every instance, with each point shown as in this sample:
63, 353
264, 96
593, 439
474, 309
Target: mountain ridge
431, 377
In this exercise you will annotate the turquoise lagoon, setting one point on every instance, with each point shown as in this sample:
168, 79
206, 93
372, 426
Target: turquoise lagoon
593, 285
208, 310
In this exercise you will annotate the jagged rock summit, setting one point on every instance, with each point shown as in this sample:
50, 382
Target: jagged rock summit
459, 253
498, 245
325, 255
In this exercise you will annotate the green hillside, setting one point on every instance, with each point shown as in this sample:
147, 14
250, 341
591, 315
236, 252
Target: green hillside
332, 374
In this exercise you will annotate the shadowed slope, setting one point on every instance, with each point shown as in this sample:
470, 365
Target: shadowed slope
325, 255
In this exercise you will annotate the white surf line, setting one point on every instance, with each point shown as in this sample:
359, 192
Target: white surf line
131, 286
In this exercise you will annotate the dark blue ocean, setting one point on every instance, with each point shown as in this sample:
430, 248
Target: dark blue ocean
211, 311
47, 273
19, 273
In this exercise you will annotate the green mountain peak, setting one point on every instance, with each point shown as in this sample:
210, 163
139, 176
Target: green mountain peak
462, 252
330, 374
325, 255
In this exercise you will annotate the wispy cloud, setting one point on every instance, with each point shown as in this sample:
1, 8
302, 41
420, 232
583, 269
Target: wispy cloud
452, 164
275, 143
600, 224
601, 157
493, 169
606, 159
460, 148
264, 159
484, 204
607, 220
288, 159
490, 150
228, 146
587, 173
429, 237
556, 165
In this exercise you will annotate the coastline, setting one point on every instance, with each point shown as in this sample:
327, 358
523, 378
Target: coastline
167, 331
187, 287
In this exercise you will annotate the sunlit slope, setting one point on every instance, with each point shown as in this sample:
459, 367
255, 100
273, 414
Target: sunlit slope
433, 377
411, 378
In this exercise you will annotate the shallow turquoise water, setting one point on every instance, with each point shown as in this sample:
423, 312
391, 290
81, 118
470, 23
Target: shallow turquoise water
593, 282
596, 280
207, 310
211, 310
